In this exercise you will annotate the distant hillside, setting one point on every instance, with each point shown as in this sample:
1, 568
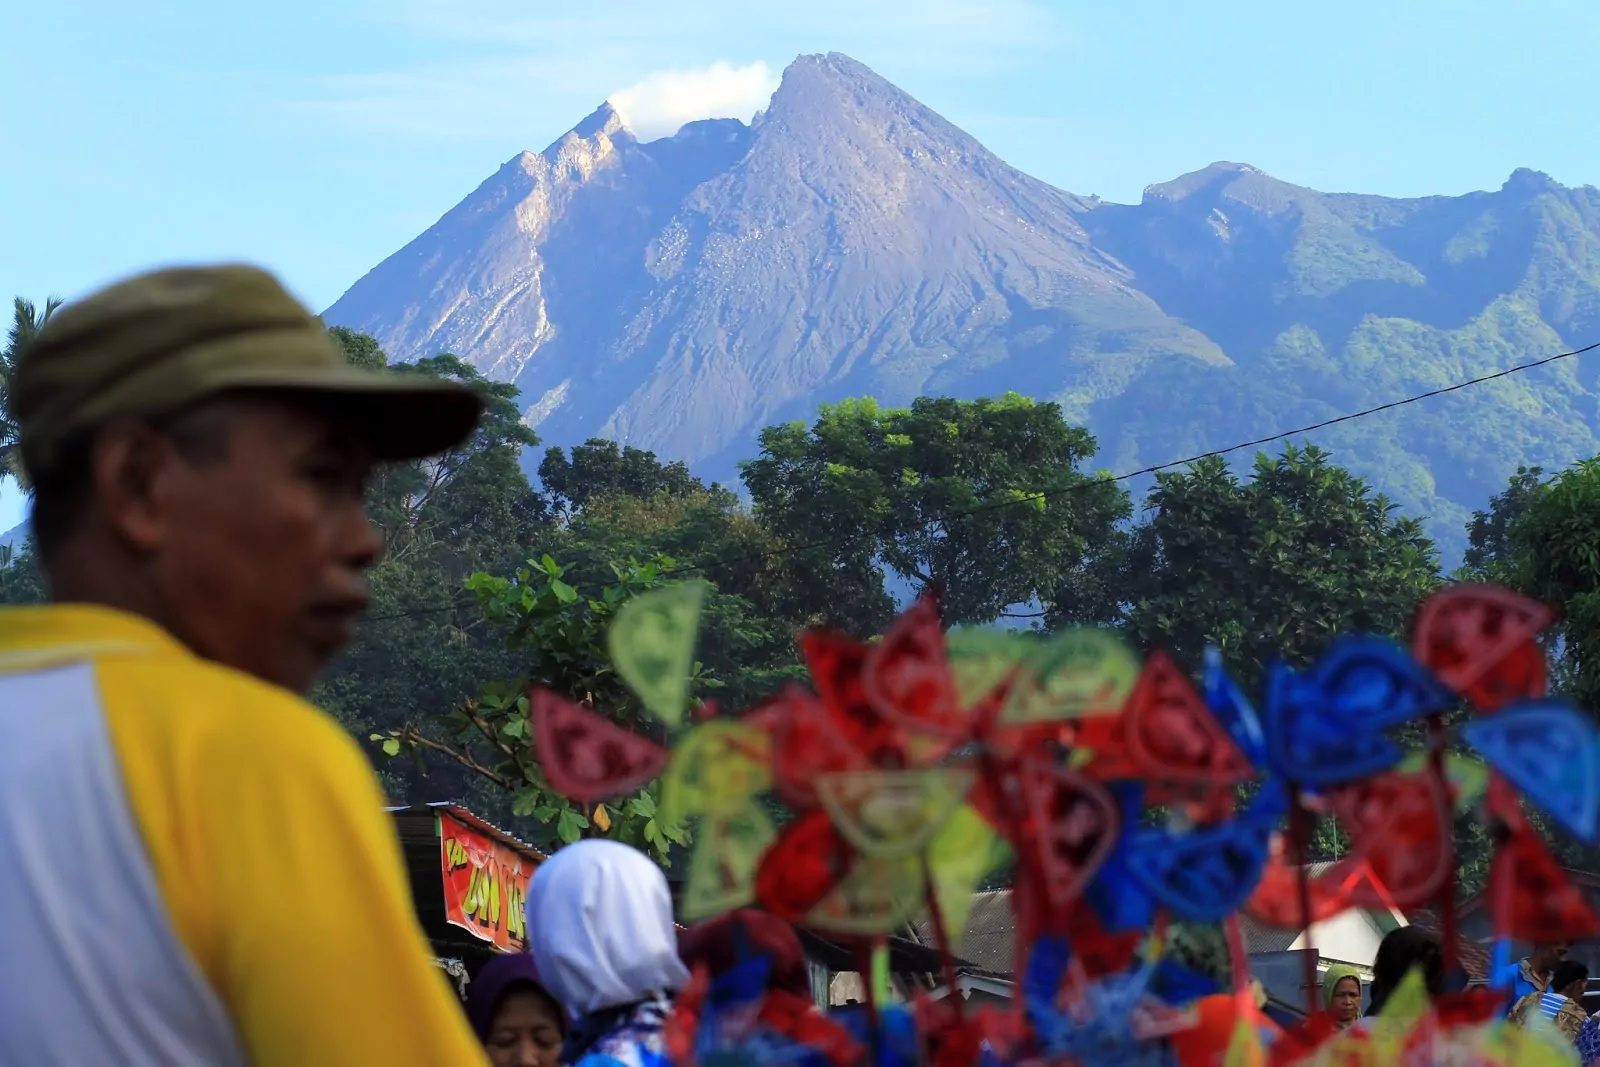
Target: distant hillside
681, 294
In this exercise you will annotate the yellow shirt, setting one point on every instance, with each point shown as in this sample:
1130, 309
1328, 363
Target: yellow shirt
207, 873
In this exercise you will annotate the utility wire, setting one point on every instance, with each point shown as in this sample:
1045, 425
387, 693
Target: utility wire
1046, 494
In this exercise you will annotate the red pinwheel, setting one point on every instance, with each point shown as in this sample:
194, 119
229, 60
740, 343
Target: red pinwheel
807, 861
585, 757
1400, 824
1544, 905
1465, 632
1276, 901
805, 745
1176, 743
906, 677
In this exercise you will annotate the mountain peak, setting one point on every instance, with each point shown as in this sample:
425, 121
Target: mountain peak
834, 63
1195, 181
1529, 182
604, 123
581, 150
604, 119
813, 81
680, 295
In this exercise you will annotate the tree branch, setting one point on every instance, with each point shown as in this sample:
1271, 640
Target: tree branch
494, 739
411, 735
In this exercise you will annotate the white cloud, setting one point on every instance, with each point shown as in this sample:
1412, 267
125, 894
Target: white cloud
516, 75
659, 105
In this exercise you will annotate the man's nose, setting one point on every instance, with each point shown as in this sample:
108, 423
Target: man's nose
360, 546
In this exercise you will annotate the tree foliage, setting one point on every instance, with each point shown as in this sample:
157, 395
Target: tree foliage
27, 320
1555, 558
1490, 555
981, 500
602, 470
559, 637
1273, 566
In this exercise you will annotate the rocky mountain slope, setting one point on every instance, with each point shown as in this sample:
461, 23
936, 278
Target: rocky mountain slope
681, 294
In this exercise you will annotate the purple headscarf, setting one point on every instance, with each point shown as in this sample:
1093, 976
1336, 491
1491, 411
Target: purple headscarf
497, 978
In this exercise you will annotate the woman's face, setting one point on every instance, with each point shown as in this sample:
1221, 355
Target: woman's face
525, 1032
1346, 1000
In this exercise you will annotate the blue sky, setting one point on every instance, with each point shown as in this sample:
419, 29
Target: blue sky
316, 138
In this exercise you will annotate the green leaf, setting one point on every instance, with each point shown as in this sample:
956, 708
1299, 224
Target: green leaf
571, 825
564, 592
391, 746
652, 646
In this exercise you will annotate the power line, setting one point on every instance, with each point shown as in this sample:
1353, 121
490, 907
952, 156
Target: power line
1046, 494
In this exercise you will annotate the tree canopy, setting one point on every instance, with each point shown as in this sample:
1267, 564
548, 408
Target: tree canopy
1276, 565
981, 500
27, 319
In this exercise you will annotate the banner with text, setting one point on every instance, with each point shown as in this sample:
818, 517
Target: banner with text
485, 884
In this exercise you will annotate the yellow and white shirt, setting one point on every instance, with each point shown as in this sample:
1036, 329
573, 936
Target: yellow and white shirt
197, 868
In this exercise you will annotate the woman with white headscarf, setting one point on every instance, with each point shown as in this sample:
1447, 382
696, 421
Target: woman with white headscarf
600, 929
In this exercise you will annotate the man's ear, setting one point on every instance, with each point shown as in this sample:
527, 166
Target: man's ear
132, 466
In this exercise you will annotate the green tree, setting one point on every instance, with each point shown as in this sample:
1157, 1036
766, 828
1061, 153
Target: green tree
982, 500
1555, 558
1489, 555
21, 581
599, 469
360, 349
471, 508
617, 504
559, 636
426, 644
26, 321
1275, 566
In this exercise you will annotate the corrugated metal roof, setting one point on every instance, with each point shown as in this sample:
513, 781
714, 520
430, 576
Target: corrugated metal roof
1260, 938
988, 944
477, 822
989, 940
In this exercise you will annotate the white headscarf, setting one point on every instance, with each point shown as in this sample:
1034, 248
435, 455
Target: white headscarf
600, 927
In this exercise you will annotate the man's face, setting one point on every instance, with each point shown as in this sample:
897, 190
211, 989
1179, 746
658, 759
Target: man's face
1554, 952
261, 553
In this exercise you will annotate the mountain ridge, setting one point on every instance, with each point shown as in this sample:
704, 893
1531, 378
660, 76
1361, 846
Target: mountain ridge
682, 293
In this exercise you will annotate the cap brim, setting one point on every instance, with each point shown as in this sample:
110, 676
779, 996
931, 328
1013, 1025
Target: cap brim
402, 417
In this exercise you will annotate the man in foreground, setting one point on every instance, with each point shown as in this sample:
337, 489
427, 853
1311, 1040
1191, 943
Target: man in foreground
200, 868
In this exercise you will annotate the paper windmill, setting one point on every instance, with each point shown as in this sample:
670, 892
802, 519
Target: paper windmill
1129, 799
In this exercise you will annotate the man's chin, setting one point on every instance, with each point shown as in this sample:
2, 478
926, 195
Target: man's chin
327, 632
301, 664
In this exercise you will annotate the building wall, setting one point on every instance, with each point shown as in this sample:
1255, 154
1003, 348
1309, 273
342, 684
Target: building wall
1352, 937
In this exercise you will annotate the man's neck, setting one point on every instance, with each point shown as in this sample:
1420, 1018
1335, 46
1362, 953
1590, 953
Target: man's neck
86, 573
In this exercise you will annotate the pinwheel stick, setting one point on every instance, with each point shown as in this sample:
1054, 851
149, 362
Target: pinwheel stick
865, 951
1447, 893
1300, 840
1502, 883
941, 936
